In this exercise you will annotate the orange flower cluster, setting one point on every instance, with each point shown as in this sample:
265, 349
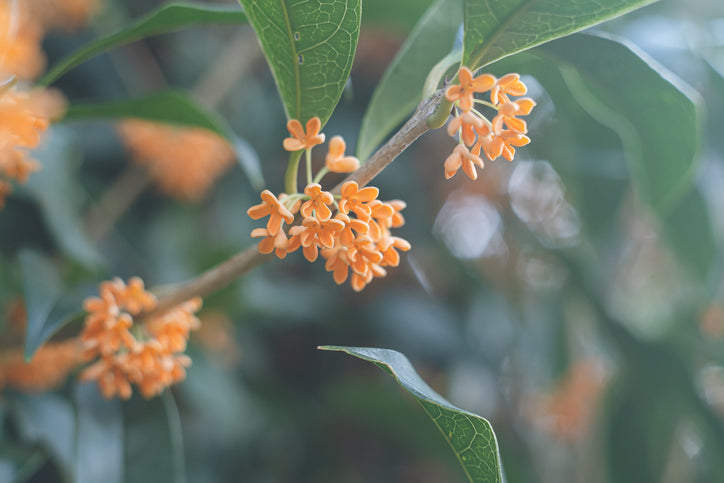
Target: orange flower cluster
149, 355
497, 137
48, 368
183, 161
351, 230
23, 118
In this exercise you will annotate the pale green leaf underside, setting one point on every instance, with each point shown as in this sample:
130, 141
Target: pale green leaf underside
167, 18
497, 28
470, 436
398, 92
310, 47
651, 110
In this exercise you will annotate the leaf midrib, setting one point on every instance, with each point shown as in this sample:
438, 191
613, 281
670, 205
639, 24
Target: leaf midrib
295, 61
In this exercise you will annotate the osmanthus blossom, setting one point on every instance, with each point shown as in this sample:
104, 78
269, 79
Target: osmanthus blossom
476, 133
351, 230
184, 162
123, 351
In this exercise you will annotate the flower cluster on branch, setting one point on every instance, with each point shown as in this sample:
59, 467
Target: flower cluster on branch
477, 134
148, 354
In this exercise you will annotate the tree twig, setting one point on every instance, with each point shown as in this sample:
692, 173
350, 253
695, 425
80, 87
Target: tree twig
229, 270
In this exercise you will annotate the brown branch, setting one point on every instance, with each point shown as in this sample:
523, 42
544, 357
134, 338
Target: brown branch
229, 270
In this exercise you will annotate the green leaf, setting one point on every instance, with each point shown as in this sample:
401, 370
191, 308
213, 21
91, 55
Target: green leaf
167, 18
169, 106
99, 445
153, 447
687, 227
651, 110
497, 29
49, 307
470, 436
60, 196
398, 93
310, 47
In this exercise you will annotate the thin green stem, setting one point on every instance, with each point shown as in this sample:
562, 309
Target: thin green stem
308, 154
290, 178
321, 174
486, 103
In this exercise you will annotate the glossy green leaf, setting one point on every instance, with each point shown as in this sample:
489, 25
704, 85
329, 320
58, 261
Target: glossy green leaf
153, 447
167, 18
48, 305
310, 47
399, 90
470, 436
497, 29
651, 110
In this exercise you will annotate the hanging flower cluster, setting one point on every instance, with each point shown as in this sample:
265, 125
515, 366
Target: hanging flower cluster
476, 133
24, 115
149, 355
352, 230
184, 162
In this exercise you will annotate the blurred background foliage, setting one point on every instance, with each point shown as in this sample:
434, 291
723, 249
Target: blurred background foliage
585, 322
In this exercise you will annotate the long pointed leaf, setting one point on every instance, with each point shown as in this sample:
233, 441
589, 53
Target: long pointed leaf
167, 18
398, 93
310, 47
495, 29
470, 436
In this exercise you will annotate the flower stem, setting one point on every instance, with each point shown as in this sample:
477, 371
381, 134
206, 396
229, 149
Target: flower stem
308, 154
321, 174
290, 178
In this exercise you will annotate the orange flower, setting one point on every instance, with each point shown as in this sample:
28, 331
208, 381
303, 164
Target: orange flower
48, 368
509, 139
146, 355
318, 201
279, 243
463, 93
337, 263
351, 225
462, 157
184, 162
336, 161
301, 140
274, 208
363, 254
21, 38
388, 246
508, 84
466, 122
508, 111
314, 233
356, 199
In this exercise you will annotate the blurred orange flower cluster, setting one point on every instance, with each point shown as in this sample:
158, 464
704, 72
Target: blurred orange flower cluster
23, 118
23, 24
183, 161
355, 235
149, 355
476, 132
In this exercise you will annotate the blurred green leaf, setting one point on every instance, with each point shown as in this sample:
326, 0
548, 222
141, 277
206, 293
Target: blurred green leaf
47, 419
57, 190
169, 106
310, 47
167, 18
48, 305
99, 444
494, 30
653, 114
152, 442
687, 227
174, 107
399, 90
470, 436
